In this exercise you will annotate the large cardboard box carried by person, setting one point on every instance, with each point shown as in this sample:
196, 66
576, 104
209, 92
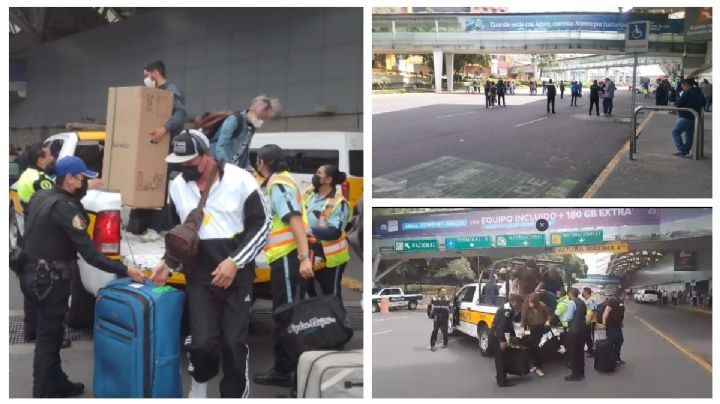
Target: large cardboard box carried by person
132, 164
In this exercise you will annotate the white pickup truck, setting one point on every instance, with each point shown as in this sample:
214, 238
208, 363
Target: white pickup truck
396, 297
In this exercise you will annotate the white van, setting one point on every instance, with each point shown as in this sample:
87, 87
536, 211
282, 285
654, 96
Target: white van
306, 151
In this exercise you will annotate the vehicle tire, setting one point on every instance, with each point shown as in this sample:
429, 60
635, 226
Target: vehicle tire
375, 308
484, 337
81, 313
412, 305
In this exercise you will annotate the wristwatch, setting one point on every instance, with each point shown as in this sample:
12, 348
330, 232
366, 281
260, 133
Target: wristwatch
302, 257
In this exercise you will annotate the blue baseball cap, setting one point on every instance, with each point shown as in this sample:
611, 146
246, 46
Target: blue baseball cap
73, 165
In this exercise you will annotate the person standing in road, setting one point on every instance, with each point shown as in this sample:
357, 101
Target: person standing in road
501, 93
661, 94
287, 249
574, 93
613, 318
594, 98
706, 88
609, 95
562, 89
502, 334
487, 93
55, 232
439, 311
220, 285
150, 222
589, 320
550, 96
576, 337
693, 98
328, 214
536, 316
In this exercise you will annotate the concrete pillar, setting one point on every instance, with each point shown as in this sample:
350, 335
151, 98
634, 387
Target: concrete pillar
449, 63
437, 65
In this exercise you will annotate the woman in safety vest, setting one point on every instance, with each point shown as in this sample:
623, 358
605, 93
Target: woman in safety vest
286, 250
328, 213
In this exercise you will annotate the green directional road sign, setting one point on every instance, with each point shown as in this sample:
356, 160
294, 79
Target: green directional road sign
416, 245
468, 243
520, 240
577, 238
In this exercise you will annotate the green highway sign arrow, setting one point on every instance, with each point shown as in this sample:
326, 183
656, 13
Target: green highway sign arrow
576, 238
468, 243
416, 245
520, 240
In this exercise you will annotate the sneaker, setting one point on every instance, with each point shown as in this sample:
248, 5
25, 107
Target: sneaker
532, 369
507, 383
539, 372
432, 348
197, 389
70, 390
620, 362
273, 378
150, 236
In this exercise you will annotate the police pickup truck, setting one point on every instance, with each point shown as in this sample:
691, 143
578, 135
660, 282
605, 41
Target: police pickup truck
396, 297
475, 304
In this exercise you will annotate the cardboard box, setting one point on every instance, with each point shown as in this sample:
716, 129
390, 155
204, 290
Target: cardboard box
132, 164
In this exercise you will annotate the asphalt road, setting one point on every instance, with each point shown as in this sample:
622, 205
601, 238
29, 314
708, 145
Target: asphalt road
78, 359
450, 145
654, 369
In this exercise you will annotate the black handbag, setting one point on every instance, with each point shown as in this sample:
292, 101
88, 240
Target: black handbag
316, 323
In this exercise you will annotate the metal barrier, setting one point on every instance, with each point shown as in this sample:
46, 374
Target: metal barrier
698, 135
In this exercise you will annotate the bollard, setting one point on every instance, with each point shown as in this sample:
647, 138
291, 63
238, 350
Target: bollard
384, 305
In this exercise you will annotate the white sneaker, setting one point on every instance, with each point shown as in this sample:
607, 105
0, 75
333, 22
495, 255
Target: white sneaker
197, 390
150, 236
539, 372
532, 369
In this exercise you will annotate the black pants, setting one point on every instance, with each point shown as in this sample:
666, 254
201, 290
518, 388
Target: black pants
440, 324
551, 100
503, 99
30, 318
500, 355
589, 337
487, 100
576, 356
330, 280
536, 333
573, 99
48, 376
596, 102
615, 338
284, 278
561, 94
219, 320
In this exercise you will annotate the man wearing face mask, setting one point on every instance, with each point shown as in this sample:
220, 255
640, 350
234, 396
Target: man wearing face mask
141, 219
328, 214
287, 249
55, 232
219, 286
231, 144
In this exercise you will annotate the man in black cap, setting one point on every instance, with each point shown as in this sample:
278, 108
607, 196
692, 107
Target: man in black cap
502, 334
439, 312
55, 232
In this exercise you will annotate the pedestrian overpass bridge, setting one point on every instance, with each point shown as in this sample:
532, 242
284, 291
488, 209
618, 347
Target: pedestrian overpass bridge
444, 35
505, 233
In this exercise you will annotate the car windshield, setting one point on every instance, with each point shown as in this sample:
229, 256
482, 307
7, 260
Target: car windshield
651, 292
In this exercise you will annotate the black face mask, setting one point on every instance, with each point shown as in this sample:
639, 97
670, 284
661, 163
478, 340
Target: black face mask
316, 181
82, 191
49, 169
190, 173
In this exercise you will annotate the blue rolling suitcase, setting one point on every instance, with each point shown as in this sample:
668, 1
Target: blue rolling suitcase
137, 340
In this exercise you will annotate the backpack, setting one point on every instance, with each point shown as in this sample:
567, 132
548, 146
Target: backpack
210, 122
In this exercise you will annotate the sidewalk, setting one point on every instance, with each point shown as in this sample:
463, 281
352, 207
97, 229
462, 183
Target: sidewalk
656, 173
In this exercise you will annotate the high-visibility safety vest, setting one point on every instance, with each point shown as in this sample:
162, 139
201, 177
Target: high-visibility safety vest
27, 182
336, 251
281, 241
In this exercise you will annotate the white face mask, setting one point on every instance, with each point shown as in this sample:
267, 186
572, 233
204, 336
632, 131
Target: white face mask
149, 82
257, 123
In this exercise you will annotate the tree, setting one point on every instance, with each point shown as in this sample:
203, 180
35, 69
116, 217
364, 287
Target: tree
460, 61
545, 60
458, 269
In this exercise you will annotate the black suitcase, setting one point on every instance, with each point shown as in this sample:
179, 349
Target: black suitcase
604, 356
517, 361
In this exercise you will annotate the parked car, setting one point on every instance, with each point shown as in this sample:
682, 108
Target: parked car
647, 296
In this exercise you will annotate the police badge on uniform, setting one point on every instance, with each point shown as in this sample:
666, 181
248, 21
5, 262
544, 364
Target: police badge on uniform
79, 222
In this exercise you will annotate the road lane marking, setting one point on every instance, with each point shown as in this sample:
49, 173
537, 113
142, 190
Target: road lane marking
382, 332
612, 165
697, 310
452, 115
700, 361
528, 123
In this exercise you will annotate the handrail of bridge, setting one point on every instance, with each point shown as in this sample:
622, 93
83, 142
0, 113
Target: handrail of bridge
698, 135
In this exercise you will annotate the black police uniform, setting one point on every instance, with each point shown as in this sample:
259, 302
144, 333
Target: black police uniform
614, 325
502, 323
439, 312
58, 233
576, 339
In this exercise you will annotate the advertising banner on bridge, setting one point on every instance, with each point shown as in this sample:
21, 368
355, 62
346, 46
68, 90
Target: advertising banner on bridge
483, 222
569, 22
698, 24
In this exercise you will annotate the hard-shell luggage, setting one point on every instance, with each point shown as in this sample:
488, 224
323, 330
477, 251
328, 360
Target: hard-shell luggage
604, 356
517, 361
137, 340
330, 374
